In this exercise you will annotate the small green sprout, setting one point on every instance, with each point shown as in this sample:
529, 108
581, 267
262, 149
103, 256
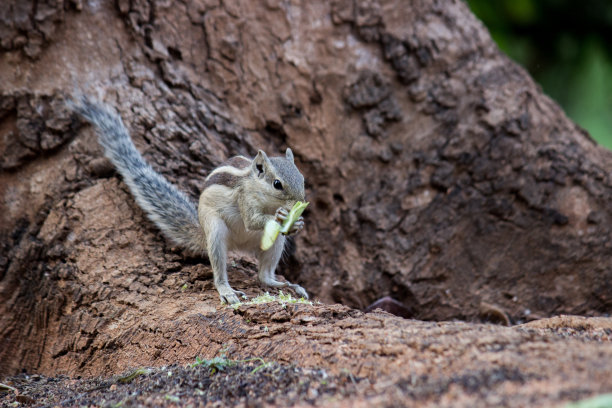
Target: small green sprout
126, 379
282, 298
7, 388
215, 364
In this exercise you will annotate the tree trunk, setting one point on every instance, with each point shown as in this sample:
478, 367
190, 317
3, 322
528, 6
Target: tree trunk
438, 172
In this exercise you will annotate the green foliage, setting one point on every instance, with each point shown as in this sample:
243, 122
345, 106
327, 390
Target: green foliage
591, 103
600, 401
566, 47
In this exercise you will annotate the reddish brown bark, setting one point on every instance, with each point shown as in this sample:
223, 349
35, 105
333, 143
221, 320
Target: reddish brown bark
438, 172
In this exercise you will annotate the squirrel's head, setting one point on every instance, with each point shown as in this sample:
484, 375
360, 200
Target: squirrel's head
279, 178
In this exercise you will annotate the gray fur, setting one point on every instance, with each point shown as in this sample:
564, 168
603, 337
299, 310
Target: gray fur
289, 155
170, 209
293, 180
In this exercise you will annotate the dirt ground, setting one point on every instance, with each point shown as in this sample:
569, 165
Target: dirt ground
246, 384
549, 362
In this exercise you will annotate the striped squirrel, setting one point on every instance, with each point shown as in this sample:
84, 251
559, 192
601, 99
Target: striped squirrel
238, 198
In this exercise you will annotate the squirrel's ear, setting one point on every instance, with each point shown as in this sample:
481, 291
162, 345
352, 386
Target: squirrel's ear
261, 163
289, 155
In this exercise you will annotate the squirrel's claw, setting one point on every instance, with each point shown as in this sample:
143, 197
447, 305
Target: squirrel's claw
229, 295
297, 227
300, 291
281, 215
273, 283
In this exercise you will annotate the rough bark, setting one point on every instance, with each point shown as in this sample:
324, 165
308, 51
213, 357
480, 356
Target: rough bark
439, 175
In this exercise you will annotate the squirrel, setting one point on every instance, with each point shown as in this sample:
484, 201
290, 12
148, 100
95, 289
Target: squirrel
237, 200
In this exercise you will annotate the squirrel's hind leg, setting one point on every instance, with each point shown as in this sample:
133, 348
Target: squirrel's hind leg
216, 235
268, 260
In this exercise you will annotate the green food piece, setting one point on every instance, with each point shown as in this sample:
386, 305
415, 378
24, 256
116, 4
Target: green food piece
294, 214
271, 231
273, 228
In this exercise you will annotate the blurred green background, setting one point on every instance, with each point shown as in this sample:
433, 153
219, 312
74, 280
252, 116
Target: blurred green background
566, 45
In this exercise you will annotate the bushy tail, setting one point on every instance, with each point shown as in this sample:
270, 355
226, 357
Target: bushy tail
170, 209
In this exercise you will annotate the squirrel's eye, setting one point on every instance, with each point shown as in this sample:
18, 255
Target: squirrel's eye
278, 185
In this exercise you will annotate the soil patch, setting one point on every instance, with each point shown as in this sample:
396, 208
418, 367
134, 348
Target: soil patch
252, 384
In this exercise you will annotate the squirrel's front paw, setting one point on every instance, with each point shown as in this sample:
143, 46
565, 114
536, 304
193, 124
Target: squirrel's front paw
297, 227
281, 215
